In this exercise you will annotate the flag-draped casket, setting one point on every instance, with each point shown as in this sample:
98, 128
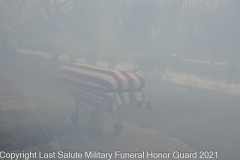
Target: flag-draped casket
115, 87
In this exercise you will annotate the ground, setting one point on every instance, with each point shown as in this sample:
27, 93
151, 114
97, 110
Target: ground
189, 114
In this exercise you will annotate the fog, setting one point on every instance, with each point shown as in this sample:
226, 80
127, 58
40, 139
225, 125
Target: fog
187, 52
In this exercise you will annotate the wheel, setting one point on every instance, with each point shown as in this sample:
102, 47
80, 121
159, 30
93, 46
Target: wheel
74, 118
155, 70
117, 127
96, 131
148, 67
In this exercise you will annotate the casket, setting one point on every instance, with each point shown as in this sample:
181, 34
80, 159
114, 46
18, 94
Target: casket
115, 87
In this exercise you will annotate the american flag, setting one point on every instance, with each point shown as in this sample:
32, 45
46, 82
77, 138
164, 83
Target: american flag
115, 87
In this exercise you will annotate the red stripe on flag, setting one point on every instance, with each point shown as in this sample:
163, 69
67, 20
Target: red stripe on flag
88, 78
104, 71
131, 85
